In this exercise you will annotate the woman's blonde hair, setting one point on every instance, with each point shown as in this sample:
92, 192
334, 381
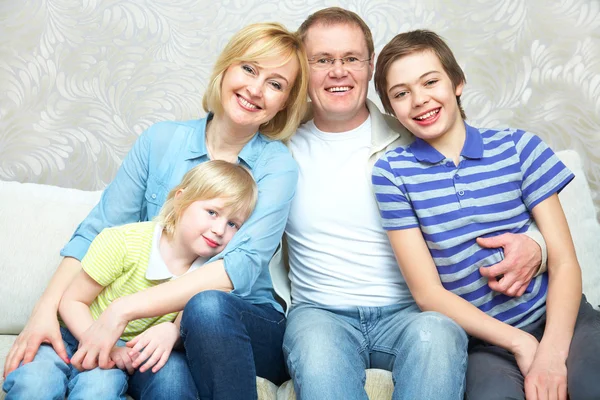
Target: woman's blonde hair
210, 180
267, 40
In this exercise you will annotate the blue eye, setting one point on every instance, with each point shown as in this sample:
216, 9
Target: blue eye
276, 85
211, 212
232, 225
400, 94
430, 82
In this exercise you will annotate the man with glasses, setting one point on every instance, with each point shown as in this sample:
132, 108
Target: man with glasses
351, 308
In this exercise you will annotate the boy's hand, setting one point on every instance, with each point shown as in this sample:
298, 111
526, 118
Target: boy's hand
120, 356
525, 350
547, 377
157, 343
522, 259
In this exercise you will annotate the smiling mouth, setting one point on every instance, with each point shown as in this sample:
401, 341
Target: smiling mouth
246, 104
427, 115
211, 243
338, 89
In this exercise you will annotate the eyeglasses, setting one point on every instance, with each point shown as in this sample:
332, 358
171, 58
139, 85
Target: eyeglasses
349, 62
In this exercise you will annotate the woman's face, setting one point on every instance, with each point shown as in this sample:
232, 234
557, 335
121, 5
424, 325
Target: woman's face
252, 93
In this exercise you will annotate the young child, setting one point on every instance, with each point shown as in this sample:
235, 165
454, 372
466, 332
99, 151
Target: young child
456, 183
198, 219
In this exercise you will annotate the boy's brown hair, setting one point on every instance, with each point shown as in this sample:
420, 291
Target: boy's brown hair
337, 15
411, 42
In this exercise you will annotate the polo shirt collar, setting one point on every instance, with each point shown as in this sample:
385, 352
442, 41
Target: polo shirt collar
157, 269
197, 146
473, 147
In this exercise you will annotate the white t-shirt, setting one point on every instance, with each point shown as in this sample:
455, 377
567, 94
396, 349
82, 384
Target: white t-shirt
338, 252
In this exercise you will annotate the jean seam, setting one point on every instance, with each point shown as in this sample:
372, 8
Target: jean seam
261, 317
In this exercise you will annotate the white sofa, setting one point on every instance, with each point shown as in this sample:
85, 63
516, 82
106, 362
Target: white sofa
37, 220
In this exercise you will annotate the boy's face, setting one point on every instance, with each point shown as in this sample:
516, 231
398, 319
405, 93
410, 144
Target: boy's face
338, 92
206, 226
423, 96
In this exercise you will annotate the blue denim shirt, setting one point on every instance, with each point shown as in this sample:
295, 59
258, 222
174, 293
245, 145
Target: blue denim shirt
157, 163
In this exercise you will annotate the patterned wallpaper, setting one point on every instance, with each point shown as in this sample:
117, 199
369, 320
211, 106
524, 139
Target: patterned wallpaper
80, 80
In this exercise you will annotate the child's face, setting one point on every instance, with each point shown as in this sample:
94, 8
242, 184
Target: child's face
423, 97
206, 226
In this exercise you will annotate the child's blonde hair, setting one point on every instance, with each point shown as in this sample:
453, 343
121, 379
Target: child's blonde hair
210, 180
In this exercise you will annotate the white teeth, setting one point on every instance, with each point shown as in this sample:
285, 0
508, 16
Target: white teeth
246, 103
339, 89
429, 114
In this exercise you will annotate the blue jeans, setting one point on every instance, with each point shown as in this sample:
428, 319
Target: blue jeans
229, 341
172, 381
48, 377
328, 350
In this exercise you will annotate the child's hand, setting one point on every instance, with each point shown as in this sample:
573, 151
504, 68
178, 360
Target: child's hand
157, 343
547, 377
120, 356
525, 350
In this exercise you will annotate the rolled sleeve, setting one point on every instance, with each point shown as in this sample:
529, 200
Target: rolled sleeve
249, 253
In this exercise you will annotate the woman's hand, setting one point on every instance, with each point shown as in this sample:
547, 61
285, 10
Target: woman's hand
154, 345
98, 340
42, 327
547, 377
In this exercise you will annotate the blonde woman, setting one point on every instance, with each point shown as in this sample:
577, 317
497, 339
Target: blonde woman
232, 327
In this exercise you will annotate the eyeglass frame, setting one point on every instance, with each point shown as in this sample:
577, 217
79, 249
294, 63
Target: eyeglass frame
331, 62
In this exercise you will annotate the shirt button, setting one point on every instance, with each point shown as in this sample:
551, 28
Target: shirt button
461, 192
449, 164
153, 195
456, 176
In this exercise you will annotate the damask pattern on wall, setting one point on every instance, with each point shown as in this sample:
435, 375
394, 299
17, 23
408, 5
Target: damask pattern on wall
80, 80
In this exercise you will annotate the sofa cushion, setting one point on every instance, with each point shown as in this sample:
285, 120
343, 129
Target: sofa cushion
36, 221
576, 199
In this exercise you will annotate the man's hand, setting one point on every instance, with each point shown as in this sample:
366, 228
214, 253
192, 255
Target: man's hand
120, 356
156, 343
547, 377
98, 340
522, 259
42, 327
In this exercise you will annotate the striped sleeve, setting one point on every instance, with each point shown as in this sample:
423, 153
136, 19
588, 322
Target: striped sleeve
543, 174
394, 207
104, 261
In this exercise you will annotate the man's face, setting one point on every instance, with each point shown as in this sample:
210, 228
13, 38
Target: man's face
338, 93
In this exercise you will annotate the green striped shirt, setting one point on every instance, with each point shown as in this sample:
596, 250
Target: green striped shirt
118, 259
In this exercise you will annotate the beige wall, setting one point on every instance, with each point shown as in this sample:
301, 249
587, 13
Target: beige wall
79, 81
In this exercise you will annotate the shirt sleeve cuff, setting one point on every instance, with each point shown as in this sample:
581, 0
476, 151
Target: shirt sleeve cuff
536, 235
76, 248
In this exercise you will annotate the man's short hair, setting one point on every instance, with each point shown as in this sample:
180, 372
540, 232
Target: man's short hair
337, 15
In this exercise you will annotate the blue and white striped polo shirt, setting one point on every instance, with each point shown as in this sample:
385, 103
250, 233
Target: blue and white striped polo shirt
501, 176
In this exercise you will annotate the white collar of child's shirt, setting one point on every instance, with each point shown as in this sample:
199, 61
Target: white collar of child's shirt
157, 269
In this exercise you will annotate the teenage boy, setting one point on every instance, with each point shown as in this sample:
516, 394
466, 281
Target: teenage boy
455, 183
351, 308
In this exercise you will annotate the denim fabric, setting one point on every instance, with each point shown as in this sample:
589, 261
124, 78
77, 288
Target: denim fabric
228, 342
328, 350
48, 377
493, 372
157, 162
172, 381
